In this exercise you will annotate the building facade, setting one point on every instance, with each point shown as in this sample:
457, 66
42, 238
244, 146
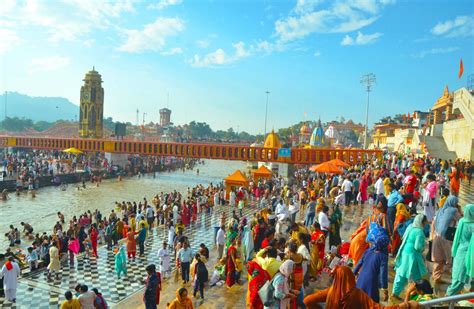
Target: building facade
91, 113
165, 117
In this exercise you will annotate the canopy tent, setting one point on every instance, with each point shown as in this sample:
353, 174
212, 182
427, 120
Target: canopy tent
237, 179
326, 167
339, 163
261, 172
72, 150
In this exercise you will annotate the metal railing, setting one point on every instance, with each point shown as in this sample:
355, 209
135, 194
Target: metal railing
448, 300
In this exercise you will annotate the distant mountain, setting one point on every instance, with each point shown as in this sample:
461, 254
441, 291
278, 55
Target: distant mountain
37, 108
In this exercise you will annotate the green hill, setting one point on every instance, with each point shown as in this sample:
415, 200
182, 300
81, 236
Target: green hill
37, 108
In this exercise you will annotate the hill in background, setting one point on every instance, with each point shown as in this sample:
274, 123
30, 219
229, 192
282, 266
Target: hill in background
48, 109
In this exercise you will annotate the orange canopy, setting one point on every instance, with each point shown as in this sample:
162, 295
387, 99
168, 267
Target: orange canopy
340, 163
326, 167
262, 171
237, 178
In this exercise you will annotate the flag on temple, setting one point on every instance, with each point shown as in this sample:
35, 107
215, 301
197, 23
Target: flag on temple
461, 69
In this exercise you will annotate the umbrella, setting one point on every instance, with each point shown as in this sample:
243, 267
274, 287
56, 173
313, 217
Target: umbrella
326, 167
339, 163
72, 150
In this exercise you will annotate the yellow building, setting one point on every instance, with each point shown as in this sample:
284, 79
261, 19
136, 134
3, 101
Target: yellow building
272, 141
92, 106
443, 108
384, 134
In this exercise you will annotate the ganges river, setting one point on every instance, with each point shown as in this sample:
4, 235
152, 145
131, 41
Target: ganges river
41, 212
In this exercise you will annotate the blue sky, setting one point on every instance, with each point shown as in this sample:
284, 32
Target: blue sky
217, 58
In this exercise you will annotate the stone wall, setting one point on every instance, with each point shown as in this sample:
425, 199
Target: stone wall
459, 137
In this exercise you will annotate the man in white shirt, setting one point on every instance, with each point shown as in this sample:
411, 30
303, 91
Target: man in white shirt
10, 273
175, 214
281, 208
86, 298
220, 242
347, 188
324, 220
379, 188
150, 217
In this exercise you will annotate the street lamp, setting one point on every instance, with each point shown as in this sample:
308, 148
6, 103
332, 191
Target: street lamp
367, 80
266, 112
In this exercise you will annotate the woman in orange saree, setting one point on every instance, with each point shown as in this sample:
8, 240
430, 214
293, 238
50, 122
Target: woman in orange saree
358, 244
343, 294
318, 241
296, 281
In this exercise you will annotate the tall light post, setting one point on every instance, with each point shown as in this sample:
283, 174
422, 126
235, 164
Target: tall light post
266, 112
367, 80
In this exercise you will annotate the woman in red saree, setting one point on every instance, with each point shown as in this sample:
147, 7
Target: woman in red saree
401, 216
363, 189
231, 264
318, 241
258, 277
195, 210
94, 235
185, 215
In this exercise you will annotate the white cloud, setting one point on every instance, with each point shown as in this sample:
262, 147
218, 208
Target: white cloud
305, 6
64, 20
340, 17
7, 6
153, 36
9, 39
435, 51
164, 3
172, 51
68, 32
461, 26
317, 53
89, 42
361, 39
220, 57
204, 43
52, 63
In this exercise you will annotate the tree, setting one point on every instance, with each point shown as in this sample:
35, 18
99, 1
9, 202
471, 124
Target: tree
43, 125
199, 130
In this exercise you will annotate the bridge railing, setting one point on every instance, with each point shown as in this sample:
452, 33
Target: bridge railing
449, 300
193, 150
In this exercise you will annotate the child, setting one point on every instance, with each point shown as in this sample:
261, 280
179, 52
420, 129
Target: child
32, 258
87, 246
441, 179
121, 262
445, 195
420, 290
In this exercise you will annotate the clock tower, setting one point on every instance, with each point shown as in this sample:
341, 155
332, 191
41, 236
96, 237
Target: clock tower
92, 106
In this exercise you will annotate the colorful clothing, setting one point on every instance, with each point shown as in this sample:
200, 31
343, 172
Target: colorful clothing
121, 262
230, 266
463, 252
409, 263
343, 294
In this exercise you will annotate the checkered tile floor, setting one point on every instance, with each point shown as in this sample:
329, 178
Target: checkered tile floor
35, 291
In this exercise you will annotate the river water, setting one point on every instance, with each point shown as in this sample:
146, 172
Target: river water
41, 211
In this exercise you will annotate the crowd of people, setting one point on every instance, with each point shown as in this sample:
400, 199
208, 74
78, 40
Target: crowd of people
29, 166
408, 206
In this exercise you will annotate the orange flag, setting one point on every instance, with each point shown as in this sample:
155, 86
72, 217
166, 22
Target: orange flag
461, 69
